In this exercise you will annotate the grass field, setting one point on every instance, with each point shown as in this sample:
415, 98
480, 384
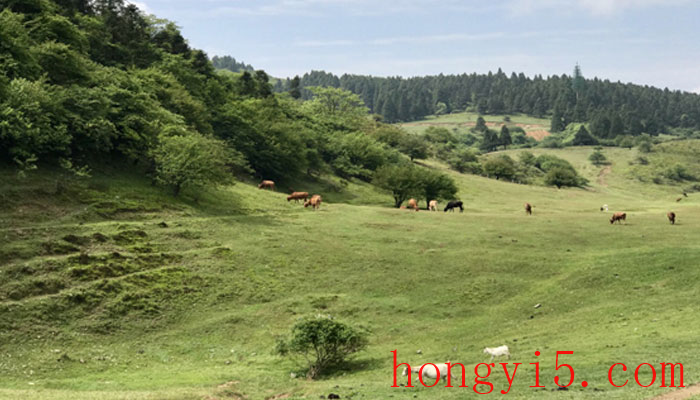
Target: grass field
462, 122
112, 289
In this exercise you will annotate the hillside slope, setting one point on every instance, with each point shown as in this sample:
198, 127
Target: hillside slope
112, 289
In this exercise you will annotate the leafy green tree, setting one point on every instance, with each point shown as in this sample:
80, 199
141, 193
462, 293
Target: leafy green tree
356, 154
645, 143
504, 138
500, 167
190, 161
323, 342
440, 108
464, 159
436, 185
625, 141
527, 158
598, 158
436, 134
415, 147
560, 177
402, 180
31, 123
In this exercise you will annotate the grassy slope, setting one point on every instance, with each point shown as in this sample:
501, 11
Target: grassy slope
185, 308
465, 120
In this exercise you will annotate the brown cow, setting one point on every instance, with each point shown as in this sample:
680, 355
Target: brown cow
618, 217
679, 199
671, 217
267, 185
528, 208
314, 201
432, 206
412, 203
296, 196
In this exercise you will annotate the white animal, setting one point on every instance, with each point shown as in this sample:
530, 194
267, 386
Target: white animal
605, 207
429, 371
497, 351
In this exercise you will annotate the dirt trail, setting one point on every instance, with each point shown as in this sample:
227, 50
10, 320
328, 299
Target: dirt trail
602, 174
680, 394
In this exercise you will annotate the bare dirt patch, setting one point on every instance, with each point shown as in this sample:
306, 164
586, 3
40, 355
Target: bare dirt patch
680, 394
602, 174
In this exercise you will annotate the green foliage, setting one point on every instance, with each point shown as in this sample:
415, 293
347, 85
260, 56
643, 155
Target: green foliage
583, 138
500, 167
402, 180
190, 161
16, 59
323, 342
31, 122
414, 146
356, 154
625, 141
598, 158
678, 173
490, 140
435, 134
440, 108
480, 125
337, 107
560, 177
436, 185
464, 159
552, 142
504, 138
645, 143
527, 158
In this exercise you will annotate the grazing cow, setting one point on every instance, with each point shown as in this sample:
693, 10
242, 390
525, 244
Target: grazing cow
431, 372
296, 196
432, 206
604, 207
679, 199
618, 217
314, 201
412, 203
528, 208
267, 185
671, 217
454, 204
497, 351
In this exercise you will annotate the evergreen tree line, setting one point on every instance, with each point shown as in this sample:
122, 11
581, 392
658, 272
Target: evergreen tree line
612, 108
229, 63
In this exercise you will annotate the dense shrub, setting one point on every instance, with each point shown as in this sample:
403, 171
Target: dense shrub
323, 342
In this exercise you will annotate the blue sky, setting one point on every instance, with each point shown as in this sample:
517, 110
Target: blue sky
649, 42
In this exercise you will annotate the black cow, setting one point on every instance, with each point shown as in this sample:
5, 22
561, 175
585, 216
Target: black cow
454, 204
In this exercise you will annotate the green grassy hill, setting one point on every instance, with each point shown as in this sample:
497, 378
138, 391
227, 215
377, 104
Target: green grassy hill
110, 288
535, 127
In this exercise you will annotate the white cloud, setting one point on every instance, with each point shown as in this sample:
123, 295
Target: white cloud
450, 37
595, 7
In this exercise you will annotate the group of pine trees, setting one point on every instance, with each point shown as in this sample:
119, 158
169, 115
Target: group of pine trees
611, 108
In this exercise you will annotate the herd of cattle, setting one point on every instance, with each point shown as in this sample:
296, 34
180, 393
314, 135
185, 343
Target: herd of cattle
315, 202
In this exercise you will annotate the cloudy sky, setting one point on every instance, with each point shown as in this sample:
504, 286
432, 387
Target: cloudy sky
649, 42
